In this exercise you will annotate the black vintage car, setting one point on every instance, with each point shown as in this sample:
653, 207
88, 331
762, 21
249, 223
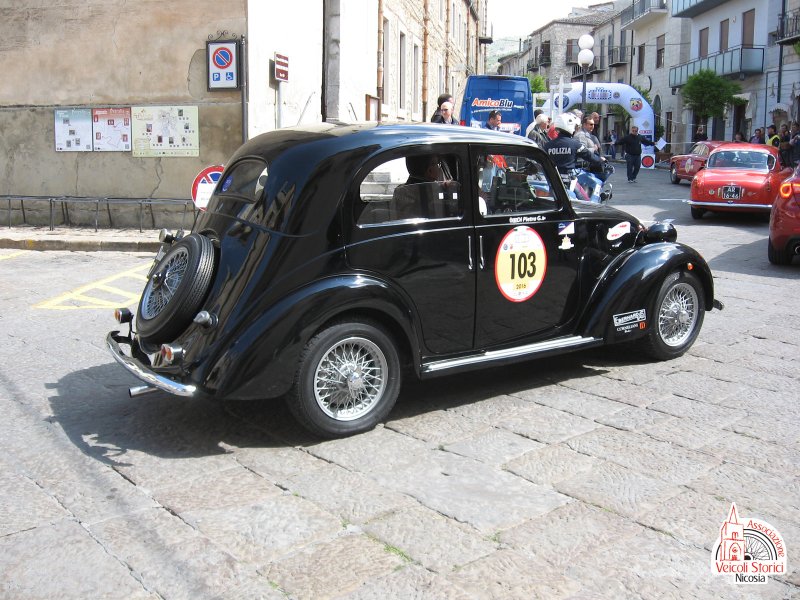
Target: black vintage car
331, 257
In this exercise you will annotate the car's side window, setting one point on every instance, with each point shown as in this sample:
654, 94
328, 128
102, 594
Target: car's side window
415, 187
512, 184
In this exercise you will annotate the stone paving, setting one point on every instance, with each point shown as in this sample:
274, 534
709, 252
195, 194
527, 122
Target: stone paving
591, 475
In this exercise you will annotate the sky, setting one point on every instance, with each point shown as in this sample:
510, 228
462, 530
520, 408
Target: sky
514, 19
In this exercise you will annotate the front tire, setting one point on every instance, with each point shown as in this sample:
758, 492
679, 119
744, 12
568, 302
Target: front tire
678, 313
673, 175
348, 379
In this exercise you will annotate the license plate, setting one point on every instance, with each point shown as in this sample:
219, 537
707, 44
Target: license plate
731, 192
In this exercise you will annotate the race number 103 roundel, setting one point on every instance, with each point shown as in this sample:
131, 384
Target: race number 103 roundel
520, 265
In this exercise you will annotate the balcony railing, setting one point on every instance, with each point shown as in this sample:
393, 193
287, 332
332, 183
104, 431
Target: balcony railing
577, 70
734, 61
617, 56
544, 59
789, 28
642, 11
692, 8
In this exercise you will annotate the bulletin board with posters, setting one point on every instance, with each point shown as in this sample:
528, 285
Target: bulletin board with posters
73, 129
165, 131
111, 129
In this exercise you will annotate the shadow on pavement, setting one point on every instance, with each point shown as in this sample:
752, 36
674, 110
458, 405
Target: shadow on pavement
93, 408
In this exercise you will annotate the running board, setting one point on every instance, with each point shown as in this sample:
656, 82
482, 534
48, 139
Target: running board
573, 342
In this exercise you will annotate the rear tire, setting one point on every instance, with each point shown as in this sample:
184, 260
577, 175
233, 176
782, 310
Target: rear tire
348, 380
677, 316
775, 256
673, 175
176, 289
697, 213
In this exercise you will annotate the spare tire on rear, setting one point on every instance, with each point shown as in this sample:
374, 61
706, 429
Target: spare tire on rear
176, 289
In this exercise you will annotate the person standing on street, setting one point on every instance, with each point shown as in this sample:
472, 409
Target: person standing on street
772, 137
439, 101
632, 145
612, 144
494, 120
445, 115
539, 131
700, 134
757, 137
785, 148
794, 143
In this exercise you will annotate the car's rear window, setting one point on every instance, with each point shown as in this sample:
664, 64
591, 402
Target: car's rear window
246, 180
741, 159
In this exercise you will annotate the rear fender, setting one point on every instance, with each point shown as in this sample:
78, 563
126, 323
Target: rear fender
261, 359
630, 284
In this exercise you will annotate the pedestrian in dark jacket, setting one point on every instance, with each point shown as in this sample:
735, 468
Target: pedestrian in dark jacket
439, 101
632, 145
446, 117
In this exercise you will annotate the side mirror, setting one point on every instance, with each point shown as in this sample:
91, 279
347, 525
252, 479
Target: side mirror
661, 232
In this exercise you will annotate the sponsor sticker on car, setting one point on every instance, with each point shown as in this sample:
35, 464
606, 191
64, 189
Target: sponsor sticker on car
635, 319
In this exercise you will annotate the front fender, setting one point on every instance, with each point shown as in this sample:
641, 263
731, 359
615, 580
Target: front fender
262, 356
631, 282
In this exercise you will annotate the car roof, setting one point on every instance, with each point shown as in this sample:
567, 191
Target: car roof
746, 146
329, 138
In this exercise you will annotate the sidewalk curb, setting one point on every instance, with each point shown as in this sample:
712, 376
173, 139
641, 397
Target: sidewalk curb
79, 245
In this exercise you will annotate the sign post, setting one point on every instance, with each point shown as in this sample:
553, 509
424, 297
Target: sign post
281, 74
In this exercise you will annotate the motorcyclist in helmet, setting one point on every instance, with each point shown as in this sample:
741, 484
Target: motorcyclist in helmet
565, 151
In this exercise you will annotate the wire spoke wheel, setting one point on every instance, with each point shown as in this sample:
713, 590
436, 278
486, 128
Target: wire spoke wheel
164, 283
350, 378
677, 315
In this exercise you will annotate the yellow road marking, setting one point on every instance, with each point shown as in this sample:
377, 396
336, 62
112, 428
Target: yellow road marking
13, 254
81, 298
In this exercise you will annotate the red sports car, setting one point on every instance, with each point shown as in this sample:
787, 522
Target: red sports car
738, 177
686, 166
784, 222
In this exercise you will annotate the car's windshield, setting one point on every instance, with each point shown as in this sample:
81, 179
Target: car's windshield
739, 159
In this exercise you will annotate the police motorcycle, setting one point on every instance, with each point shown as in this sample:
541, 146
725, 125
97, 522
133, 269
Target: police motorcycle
576, 163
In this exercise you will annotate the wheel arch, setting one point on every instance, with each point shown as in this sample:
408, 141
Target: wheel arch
630, 283
282, 330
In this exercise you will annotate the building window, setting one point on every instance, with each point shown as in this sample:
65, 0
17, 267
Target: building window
660, 50
640, 52
572, 51
748, 28
702, 43
441, 79
401, 61
416, 96
724, 28
441, 9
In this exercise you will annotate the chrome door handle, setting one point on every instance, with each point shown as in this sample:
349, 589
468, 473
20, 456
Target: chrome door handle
470, 263
480, 250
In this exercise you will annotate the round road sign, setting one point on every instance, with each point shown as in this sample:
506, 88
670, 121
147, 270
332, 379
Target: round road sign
204, 184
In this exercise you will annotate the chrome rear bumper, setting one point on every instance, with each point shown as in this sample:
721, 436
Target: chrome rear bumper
113, 341
726, 205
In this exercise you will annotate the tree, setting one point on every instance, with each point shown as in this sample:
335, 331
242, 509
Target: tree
708, 94
537, 83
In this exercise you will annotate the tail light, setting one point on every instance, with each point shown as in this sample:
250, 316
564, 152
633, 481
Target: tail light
171, 353
463, 123
789, 189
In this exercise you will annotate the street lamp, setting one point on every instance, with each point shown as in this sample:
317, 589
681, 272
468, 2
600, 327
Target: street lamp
585, 58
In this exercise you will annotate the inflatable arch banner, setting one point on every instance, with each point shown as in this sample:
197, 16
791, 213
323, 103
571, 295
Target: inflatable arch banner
611, 93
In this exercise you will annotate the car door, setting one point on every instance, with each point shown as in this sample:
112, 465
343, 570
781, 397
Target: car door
415, 231
528, 245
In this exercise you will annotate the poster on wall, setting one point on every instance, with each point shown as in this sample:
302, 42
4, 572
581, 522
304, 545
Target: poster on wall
73, 129
111, 129
165, 131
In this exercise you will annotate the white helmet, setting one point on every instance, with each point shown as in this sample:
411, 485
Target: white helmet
567, 122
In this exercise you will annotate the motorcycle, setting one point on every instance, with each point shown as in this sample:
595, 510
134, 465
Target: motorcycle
585, 185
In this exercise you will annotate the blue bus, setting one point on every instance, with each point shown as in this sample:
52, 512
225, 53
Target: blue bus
510, 95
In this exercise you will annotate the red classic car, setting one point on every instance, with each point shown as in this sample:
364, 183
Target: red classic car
686, 166
738, 177
784, 222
